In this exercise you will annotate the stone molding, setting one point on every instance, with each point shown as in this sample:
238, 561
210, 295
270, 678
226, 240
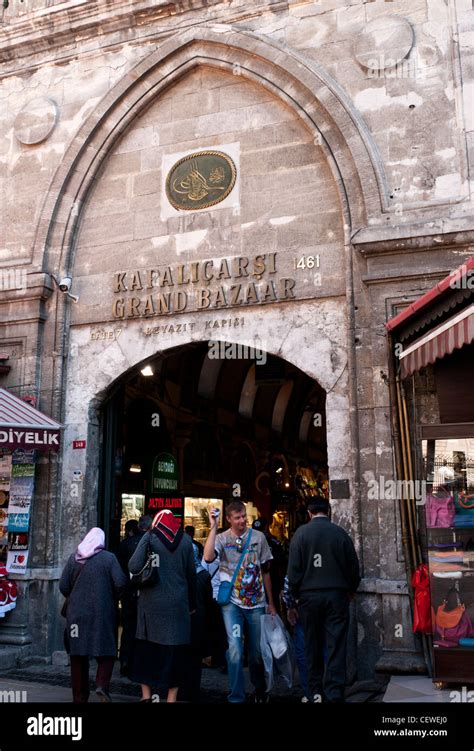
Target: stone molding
68, 24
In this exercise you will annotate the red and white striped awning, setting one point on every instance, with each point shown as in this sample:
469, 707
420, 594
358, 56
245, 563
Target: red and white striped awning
23, 426
440, 341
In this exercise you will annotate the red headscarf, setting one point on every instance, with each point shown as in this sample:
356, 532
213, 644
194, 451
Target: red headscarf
168, 528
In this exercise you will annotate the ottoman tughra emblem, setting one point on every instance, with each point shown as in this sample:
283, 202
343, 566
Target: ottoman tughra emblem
200, 180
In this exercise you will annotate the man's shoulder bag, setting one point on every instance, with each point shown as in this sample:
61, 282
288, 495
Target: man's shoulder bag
225, 588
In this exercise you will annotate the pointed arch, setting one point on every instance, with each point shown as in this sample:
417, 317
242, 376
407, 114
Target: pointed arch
317, 99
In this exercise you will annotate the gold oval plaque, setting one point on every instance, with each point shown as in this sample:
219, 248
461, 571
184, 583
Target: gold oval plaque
200, 180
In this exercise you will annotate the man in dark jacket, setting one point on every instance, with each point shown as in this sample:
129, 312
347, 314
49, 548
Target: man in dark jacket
134, 532
323, 575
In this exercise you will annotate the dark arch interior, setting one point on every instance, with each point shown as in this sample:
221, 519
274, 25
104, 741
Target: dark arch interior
231, 425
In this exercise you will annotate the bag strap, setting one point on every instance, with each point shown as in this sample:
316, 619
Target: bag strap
149, 554
76, 577
241, 559
455, 589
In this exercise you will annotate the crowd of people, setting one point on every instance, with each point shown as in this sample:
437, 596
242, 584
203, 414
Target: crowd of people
204, 606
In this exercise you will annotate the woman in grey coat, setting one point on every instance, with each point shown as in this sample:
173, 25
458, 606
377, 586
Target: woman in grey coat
92, 581
164, 609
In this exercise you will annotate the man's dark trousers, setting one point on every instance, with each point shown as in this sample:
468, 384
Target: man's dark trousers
324, 616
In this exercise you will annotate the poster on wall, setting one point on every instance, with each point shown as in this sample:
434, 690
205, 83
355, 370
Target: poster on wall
5, 481
3, 527
24, 456
18, 522
21, 488
5, 478
21, 493
19, 504
5, 470
18, 549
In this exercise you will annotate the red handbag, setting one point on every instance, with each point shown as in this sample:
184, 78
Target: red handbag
420, 582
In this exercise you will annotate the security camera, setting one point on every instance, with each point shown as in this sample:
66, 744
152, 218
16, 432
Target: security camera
65, 284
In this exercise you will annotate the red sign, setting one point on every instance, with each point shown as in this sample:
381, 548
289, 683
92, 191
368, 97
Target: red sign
78, 444
173, 503
156, 504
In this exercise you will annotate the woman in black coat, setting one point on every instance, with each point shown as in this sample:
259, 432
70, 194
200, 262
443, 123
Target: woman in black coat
164, 609
92, 581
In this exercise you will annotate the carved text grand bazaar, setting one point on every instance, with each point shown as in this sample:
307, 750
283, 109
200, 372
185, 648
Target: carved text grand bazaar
174, 299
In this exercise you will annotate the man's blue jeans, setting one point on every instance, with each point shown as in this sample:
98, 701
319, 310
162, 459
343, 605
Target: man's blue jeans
300, 653
234, 619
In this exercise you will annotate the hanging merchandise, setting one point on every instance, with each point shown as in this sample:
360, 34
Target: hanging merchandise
422, 611
305, 482
452, 624
464, 509
8, 593
279, 526
440, 509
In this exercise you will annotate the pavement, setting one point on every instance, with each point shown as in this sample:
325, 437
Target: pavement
51, 684
411, 689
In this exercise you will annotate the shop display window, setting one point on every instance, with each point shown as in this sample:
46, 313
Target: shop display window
449, 514
132, 508
196, 514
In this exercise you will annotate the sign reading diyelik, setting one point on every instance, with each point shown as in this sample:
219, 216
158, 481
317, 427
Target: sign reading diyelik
33, 439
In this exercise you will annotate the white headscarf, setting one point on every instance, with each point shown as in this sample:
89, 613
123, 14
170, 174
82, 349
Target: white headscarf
91, 544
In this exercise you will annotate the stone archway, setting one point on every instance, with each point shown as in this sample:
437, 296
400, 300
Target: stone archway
323, 110
87, 391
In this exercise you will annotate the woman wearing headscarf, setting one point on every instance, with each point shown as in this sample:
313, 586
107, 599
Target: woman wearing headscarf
164, 609
93, 582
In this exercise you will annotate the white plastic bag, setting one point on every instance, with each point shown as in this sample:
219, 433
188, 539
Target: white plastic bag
277, 651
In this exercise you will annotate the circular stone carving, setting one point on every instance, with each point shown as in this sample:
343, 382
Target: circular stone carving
384, 42
200, 180
36, 121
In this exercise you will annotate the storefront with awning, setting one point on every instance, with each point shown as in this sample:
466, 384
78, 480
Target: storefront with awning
432, 341
25, 434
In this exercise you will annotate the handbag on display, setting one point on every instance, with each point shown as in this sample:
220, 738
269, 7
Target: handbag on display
225, 588
464, 508
453, 625
148, 575
440, 510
